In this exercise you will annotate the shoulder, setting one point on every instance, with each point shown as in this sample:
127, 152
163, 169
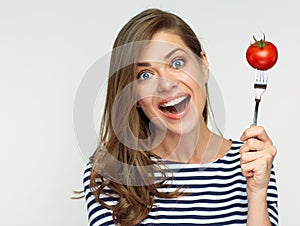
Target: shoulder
89, 197
87, 175
233, 151
236, 144
235, 147
97, 213
230, 158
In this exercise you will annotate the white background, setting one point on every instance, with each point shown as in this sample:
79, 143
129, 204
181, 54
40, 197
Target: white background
46, 47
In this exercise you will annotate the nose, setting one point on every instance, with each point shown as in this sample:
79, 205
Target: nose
166, 84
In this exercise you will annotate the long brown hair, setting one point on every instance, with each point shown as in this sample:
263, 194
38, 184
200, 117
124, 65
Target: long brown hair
132, 186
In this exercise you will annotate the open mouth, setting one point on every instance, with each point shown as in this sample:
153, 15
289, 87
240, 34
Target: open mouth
176, 105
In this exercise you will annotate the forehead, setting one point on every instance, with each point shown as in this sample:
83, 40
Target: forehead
161, 44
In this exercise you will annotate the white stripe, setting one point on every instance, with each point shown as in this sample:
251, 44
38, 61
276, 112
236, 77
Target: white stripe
193, 220
195, 175
199, 213
98, 213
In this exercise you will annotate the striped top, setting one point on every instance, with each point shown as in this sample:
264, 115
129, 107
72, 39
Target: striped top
217, 196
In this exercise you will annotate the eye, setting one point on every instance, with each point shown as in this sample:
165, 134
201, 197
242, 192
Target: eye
178, 63
145, 75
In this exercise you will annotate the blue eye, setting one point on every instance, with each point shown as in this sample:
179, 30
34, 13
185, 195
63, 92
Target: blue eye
178, 63
145, 75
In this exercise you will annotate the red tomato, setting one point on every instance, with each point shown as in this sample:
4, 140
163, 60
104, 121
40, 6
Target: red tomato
262, 55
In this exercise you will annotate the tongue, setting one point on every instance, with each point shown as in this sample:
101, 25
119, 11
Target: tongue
171, 109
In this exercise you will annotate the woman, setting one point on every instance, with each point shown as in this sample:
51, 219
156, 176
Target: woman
157, 161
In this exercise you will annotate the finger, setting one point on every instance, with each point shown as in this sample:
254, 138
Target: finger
248, 174
256, 131
257, 161
247, 157
252, 145
248, 169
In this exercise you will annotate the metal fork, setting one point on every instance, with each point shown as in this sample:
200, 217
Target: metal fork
260, 85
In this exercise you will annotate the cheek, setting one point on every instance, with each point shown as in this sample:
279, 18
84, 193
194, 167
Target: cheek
146, 89
144, 102
199, 97
196, 83
197, 77
146, 105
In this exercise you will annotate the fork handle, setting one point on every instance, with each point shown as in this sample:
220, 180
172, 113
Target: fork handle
257, 101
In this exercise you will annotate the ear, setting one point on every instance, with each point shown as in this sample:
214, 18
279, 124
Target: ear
204, 59
205, 64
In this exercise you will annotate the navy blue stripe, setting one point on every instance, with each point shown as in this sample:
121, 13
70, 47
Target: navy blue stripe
98, 218
93, 201
223, 161
208, 186
208, 178
232, 195
237, 142
232, 222
170, 201
197, 217
235, 205
215, 193
203, 169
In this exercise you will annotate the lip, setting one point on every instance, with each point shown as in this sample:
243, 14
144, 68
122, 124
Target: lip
174, 116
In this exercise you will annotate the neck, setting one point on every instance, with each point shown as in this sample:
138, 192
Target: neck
197, 146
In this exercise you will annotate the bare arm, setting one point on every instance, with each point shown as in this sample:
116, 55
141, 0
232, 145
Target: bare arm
257, 155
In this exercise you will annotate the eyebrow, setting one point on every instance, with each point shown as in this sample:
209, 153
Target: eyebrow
146, 64
143, 64
172, 52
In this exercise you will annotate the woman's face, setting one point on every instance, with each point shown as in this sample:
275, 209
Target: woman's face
171, 83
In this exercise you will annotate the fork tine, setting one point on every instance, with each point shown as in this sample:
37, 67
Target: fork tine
260, 85
261, 77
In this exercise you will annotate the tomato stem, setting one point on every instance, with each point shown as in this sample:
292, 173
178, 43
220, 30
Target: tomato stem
261, 43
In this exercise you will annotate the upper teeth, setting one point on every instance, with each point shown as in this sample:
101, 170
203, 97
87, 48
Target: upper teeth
174, 101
